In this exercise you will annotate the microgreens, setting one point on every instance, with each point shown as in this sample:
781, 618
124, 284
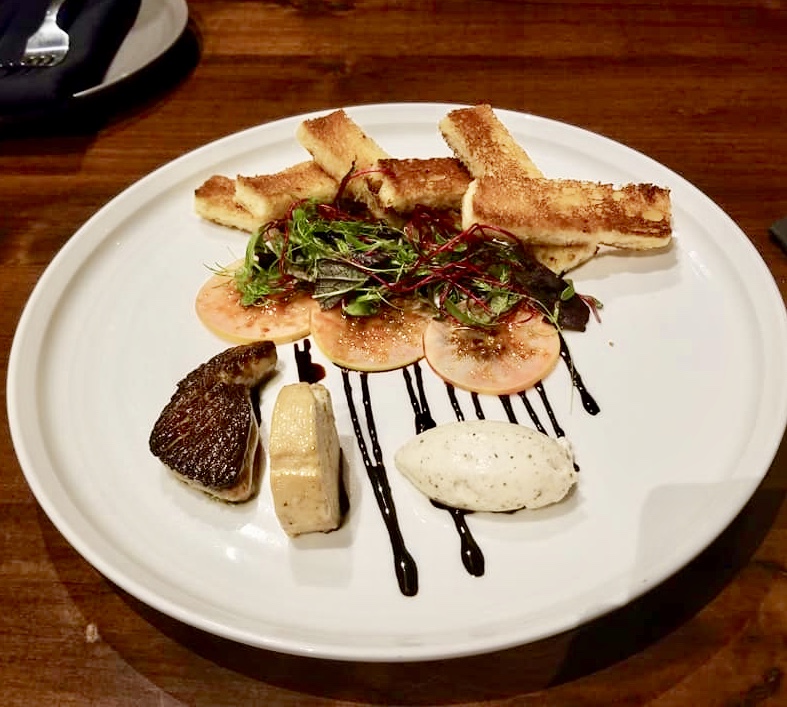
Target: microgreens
476, 275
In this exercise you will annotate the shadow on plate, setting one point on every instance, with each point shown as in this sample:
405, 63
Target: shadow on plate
83, 116
660, 628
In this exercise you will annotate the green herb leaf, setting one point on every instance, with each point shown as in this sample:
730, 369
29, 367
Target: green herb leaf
568, 292
478, 275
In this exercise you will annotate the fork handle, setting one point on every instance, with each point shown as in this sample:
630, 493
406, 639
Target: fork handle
53, 9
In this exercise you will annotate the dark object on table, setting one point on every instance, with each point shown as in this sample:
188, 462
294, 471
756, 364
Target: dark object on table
778, 230
96, 28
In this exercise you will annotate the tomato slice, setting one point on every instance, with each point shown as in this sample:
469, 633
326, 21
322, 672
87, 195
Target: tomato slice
219, 308
392, 338
510, 358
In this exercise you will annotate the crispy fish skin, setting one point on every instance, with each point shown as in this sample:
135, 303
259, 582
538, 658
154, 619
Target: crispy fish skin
207, 434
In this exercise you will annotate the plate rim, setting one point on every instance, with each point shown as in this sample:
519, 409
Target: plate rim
180, 7
384, 653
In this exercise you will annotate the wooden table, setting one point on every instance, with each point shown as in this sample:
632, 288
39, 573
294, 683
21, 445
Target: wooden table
699, 86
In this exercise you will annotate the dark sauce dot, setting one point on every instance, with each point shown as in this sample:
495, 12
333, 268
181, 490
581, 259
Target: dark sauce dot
308, 371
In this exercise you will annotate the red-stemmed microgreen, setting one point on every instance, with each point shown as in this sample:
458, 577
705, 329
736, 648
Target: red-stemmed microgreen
478, 275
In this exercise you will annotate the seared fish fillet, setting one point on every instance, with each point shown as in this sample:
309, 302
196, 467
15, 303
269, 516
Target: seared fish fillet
208, 434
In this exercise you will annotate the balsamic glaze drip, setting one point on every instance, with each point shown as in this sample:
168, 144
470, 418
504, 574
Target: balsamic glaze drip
531, 411
550, 412
588, 402
506, 400
460, 416
472, 556
419, 403
479, 411
308, 371
404, 564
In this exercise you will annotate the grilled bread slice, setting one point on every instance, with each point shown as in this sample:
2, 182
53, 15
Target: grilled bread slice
268, 196
566, 212
562, 258
486, 147
339, 146
483, 144
439, 183
214, 200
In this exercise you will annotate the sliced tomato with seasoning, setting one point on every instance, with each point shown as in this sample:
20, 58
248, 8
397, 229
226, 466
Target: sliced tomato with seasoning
280, 320
500, 360
392, 338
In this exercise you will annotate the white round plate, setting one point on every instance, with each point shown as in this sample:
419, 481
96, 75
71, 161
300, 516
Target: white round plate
687, 365
158, 25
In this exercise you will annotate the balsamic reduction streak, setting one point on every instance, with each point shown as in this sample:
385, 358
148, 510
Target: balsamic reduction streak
454, 402
550, 412
472, 556
404, 564
531, 411
588, 402
479, 411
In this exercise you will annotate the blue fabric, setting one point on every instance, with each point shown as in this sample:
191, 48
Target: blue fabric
96, 28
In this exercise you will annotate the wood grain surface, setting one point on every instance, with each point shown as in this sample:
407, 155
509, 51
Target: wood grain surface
700, 86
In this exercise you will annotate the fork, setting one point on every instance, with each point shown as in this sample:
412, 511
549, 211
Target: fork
47, 46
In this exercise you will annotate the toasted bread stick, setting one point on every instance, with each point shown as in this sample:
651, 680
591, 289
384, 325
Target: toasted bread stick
561, 212
484, 145
439, 183
269, 196
214, 200
339, 146
562, 258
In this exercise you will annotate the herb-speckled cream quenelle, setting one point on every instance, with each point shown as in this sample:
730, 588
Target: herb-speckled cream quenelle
487, 465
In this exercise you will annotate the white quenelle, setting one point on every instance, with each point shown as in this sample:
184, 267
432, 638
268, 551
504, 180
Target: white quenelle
488, 465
